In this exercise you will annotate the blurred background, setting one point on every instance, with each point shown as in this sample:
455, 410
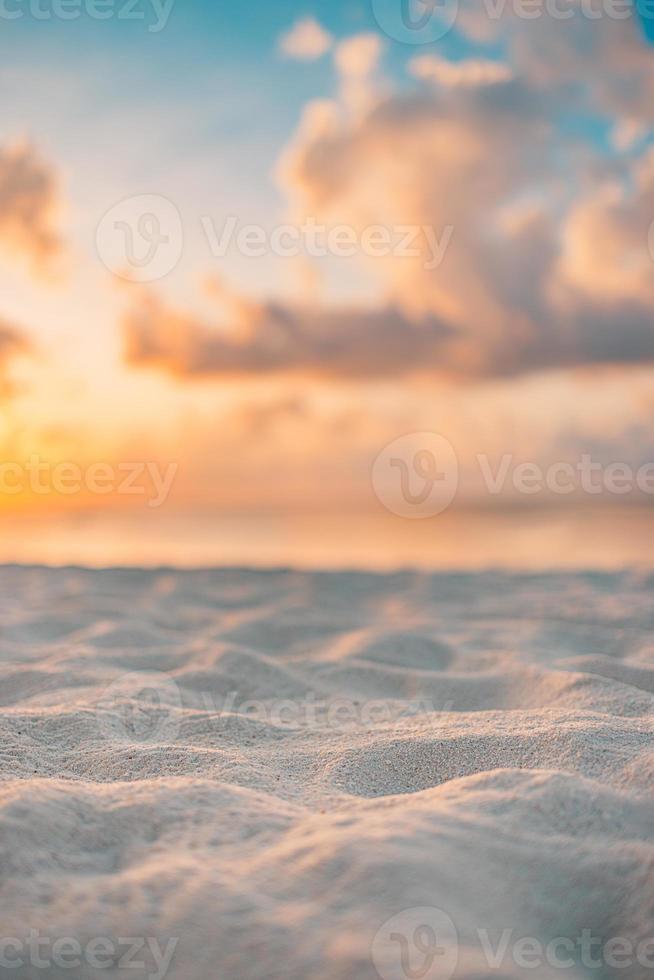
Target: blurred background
327, 284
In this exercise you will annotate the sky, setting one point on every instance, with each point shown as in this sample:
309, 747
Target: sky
267, 261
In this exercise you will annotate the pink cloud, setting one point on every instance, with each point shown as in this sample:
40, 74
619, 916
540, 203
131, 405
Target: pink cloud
307, 40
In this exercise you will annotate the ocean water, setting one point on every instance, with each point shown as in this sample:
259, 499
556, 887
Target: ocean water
532, 538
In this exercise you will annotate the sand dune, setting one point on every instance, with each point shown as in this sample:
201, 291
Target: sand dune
326, 776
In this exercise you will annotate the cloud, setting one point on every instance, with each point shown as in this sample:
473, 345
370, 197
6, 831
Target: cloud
307, 40
628, 132
448, 158
12, 343
579, 48
29, 202
467, 73
358, 56
349, 344
551, 261
549, 264
272, 338
357, 62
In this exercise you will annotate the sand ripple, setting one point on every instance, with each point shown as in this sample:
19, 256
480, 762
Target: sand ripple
292, 775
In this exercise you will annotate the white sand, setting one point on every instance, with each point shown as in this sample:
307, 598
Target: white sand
479, 746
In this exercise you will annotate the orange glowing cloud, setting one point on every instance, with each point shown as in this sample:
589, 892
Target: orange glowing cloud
12, 343
29, 203
273, 338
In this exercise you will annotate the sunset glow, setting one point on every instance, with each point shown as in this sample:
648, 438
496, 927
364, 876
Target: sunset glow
378, 239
